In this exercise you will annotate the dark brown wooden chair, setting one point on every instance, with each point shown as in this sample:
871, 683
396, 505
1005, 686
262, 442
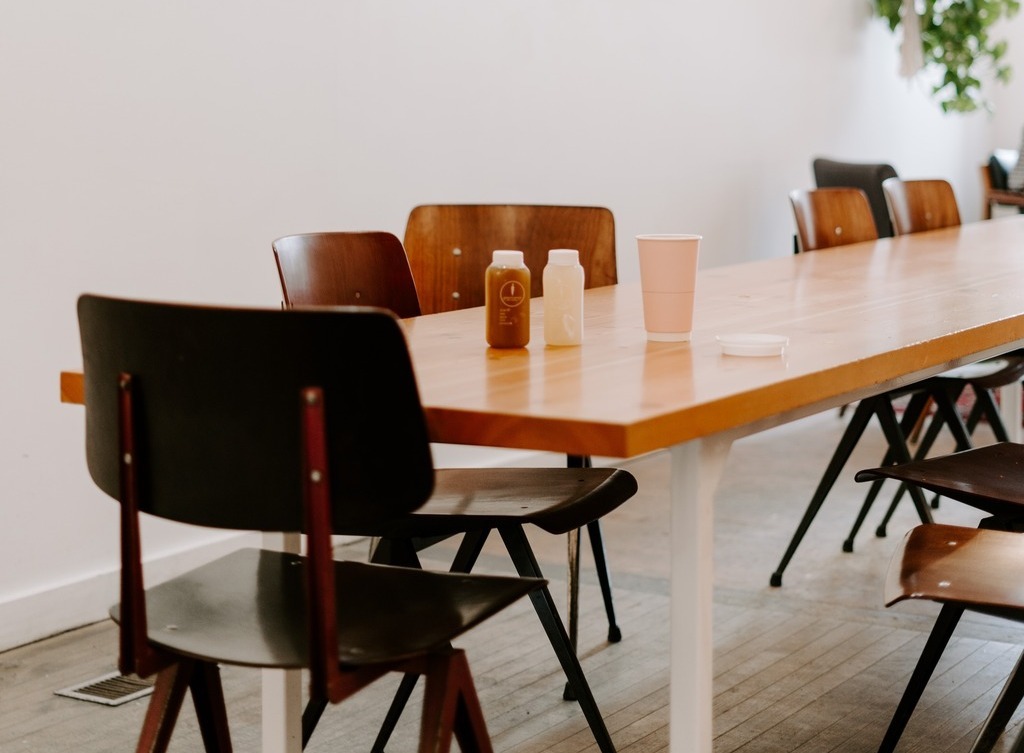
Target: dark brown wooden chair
962, 569
346, 269
471, 502
450, 246
274, 421
920, 205
830, 217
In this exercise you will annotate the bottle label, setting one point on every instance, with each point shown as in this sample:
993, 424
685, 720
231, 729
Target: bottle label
512, 294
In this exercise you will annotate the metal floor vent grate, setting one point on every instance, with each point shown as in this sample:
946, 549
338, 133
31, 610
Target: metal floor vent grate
110, 690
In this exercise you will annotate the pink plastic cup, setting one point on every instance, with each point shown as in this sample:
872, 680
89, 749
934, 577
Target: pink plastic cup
668, 278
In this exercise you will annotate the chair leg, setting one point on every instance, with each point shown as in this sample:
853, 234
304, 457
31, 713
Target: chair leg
164, 705
526, 565
208, 699
985, 404
451, 706
1009, 699
600, 564
604, 578
948, 617
934, 428
858, 422
898, 445
469, 550
947, 415
572, 600
916, 408
315, 707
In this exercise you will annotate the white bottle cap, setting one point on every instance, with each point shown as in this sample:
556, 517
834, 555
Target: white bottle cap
564, 257
508, 259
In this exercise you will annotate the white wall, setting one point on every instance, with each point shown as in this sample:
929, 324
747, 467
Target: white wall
155, 150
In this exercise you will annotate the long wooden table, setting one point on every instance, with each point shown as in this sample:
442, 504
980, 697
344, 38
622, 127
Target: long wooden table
861, 319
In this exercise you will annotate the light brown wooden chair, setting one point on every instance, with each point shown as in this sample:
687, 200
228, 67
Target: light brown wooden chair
962, 569
249, 419
830, 217
450, 246
920, 205
471, 502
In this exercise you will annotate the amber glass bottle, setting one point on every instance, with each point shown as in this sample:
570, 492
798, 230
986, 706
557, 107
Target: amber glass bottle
507, 300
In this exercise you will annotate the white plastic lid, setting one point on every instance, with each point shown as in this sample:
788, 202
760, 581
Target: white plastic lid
564, 257
508, 259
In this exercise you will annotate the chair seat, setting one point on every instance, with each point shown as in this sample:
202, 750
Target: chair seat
974, 567
249, 608
990, 478
554, 499
990, 373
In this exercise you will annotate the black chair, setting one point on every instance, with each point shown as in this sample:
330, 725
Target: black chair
868, 177
995, 182
471, 502
274, 421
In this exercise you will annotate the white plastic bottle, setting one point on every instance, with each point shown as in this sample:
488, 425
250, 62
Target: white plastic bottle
563, 297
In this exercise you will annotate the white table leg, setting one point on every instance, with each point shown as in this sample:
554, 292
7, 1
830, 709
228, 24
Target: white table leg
282, 689
696, 468
1010, 407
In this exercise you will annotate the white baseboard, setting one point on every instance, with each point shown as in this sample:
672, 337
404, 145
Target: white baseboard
33, 616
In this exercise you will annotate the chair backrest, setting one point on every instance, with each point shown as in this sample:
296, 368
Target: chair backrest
868, 177
346, 269
450, 246
216, 398
828, 217
999, 167
919, 205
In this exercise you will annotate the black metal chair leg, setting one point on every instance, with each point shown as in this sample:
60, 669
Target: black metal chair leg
572, 599
898, 444
600, 562
208, 699
948, 617
947, 415
927, 441
986, 405
398, 704
854, 430
1009, 699
467, 555
526, 565
604, 578
311, 716
914, 411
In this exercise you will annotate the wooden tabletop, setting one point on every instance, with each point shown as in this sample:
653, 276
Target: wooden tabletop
860, 319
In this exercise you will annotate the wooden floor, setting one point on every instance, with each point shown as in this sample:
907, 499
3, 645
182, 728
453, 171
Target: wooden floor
815, 666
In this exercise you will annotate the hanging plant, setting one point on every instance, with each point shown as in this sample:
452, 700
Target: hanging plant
955, 41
